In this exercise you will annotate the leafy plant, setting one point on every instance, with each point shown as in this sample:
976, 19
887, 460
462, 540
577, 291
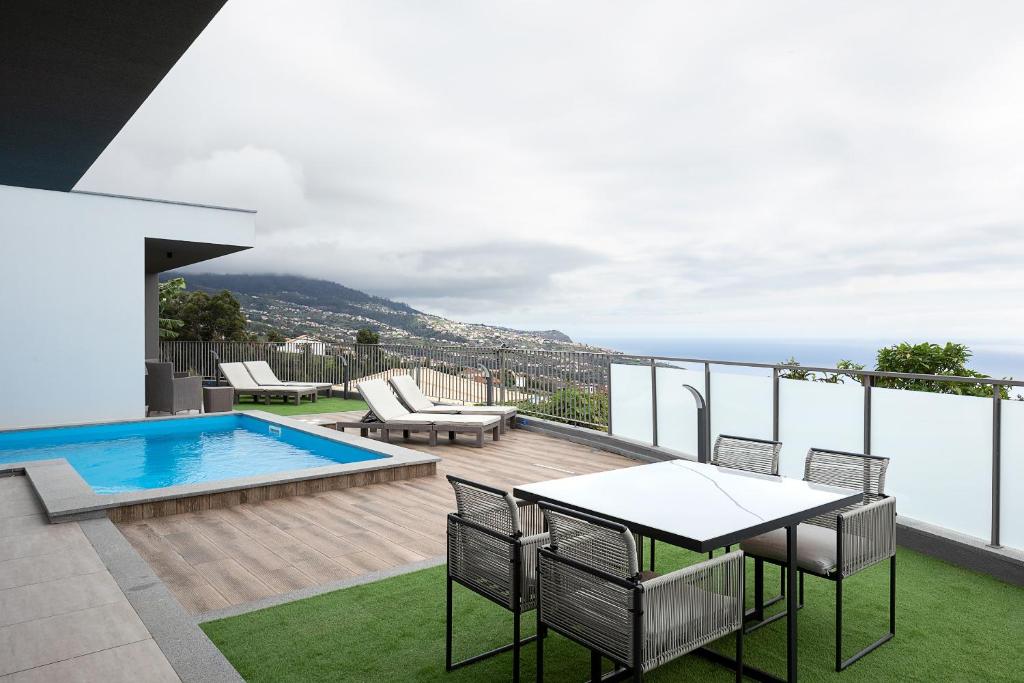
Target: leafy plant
838, 377
794, 371
169, 291
570, 405
931, 359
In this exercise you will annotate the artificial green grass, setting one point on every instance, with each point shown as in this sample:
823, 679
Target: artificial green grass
323, 405
952, 625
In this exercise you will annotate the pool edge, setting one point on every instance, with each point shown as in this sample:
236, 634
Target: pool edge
67, 497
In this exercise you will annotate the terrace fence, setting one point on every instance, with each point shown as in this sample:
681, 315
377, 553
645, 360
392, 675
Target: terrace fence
957, 461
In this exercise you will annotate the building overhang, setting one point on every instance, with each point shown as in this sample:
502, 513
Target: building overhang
73, 73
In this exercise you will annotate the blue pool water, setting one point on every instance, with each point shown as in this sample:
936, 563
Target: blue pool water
114, 458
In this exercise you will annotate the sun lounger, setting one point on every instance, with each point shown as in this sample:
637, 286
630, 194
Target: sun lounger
416, 401
244, 385
264, 376
388, 415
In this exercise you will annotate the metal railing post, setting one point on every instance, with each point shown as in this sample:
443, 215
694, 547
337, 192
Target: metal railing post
345, 379
867, 381
707, 399
654, 403
502, 379
997, 443
608, 361
775, 404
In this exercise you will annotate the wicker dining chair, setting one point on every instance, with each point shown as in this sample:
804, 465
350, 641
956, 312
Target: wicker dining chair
745, 453
492, 550
838, 544
590, 590
760, 456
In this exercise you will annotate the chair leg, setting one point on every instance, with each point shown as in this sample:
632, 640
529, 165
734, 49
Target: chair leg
652, 554
542, 632
480, 439
841, 663
739, 654
516, 645
448, 629
496, 434
892, 595
839, 625
595, 666
758, 589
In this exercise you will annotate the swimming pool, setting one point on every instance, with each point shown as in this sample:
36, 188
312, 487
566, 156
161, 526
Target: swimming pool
153, 454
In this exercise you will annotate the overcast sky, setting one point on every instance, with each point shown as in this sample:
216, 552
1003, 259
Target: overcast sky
748, 169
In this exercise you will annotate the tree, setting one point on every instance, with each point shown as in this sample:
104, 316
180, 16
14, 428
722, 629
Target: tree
208, 318
367, 336
919, 359
275, 336
931, 359
169, 291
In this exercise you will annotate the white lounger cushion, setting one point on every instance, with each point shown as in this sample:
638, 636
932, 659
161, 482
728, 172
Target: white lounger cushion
413, 397
405, 387
387, 408
454, 420
240, 380
264, 376
499, 411
237, 376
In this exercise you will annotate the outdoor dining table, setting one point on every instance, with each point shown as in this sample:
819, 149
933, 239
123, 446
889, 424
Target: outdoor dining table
701, 507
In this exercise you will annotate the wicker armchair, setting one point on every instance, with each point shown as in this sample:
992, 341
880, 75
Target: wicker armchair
591, 590
171, 392
836, 545
493, 541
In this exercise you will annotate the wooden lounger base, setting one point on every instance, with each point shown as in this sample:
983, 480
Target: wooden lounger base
312, 395
407, 428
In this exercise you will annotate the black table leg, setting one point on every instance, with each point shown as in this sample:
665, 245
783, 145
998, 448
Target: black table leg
792, 597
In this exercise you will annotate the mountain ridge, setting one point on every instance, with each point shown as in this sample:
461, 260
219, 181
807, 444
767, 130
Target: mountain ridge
294, 305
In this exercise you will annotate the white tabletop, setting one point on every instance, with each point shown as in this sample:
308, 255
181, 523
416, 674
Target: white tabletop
694, 505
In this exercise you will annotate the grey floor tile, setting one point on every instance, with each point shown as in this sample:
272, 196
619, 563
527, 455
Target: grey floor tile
132, 663
50, 598
45, 540
44, 641
68, 562
23, 524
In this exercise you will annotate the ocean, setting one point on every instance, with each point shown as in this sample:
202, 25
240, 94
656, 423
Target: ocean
991, 358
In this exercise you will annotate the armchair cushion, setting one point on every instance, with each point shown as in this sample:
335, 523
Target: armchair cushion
815, 548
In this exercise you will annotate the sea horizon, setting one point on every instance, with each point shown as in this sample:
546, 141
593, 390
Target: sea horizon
997, 359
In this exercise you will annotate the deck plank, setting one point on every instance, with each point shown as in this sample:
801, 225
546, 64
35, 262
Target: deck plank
233, 555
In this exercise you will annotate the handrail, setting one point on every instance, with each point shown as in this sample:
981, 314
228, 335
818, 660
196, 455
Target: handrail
840, 371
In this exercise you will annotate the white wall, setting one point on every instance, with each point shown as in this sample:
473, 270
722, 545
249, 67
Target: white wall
72, 333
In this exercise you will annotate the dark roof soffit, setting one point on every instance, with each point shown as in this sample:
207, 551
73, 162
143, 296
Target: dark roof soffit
73, 73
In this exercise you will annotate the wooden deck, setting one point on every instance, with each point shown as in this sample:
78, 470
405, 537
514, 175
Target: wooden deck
217, 558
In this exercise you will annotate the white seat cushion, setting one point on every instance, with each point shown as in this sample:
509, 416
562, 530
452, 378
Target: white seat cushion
815, 547
503, 411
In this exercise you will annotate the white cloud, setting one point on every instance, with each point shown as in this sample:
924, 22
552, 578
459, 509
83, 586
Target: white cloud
760, 169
